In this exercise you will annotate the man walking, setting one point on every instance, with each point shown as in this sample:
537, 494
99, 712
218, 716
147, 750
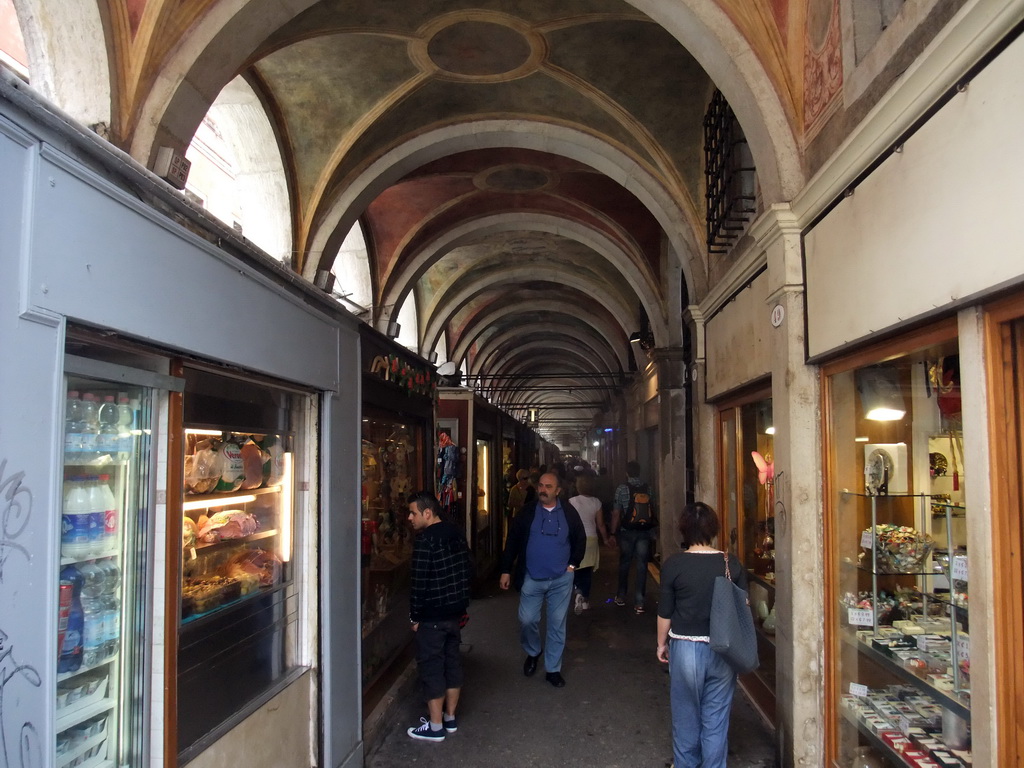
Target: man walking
546, 543
633, 523
437, 602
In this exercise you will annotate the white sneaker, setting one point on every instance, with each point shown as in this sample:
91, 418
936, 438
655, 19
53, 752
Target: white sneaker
586, 605
579, 604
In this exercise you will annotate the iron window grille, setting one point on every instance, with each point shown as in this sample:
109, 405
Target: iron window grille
729, 174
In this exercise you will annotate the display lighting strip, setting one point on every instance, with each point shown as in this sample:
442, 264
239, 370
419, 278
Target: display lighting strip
286, 510
211, 432
219, 502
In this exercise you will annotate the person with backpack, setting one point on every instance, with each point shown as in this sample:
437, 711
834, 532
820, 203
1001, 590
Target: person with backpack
634, 524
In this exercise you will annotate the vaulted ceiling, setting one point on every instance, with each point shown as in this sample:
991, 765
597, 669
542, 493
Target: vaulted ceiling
529, 173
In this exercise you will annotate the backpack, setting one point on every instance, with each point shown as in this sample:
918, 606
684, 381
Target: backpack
640, 514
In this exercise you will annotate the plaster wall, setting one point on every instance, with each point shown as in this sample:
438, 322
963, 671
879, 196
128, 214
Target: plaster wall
736, 341
289, 716
938, 216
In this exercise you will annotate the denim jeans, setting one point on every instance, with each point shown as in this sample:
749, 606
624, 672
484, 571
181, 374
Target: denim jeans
557, 592
702, 684
634, 545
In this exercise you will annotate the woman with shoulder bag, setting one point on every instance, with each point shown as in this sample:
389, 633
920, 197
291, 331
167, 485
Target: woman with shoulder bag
701, 681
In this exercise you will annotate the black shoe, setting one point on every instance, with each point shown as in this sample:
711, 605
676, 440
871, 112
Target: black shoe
556, 679
530, 665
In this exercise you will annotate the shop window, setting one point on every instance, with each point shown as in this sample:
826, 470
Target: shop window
746, 462
391, 471
896, 522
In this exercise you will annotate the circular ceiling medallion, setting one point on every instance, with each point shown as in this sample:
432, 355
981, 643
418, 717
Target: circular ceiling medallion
514, 179
477, 46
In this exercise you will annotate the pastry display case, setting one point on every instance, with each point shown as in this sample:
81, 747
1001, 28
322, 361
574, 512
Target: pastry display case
238, 596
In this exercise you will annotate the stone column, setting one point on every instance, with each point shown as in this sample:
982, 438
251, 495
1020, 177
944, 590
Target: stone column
672, 477
800, 634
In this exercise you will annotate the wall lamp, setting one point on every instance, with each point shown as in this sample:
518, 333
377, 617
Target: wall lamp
394, 328
645, 340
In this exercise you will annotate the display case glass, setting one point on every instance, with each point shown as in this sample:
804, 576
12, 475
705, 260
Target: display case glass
238, 599
392, 469
898, 558
104, 572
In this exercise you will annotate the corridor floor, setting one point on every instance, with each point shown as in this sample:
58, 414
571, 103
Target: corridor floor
612, 713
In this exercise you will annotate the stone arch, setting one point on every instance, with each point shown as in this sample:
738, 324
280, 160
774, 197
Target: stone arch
605, 328
224, 38
68, 61
524, 134
459, 295
492, 347
398, 284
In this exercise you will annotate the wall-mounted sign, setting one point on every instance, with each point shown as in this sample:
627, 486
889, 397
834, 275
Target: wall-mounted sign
778, 315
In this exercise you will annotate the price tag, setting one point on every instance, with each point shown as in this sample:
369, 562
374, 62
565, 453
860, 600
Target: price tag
860, 617
191, 553
904, 725
867, 539
960, 568
856, 689
963, 647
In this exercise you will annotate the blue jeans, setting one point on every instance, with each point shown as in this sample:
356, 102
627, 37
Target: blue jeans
702, 684
634, 545
557, 592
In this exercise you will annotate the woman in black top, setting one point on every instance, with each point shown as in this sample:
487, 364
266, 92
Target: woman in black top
702, 683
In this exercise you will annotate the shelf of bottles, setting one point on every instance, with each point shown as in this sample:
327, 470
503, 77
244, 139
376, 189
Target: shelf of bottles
105, 457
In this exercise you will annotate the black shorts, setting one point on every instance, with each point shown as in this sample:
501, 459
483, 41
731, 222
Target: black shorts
437, 656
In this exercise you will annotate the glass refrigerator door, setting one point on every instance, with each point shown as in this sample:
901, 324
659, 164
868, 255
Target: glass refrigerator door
103, 567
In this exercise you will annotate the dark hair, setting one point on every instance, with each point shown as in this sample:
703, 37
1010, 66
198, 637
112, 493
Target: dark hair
425, 500
698, 524
584, 485
633, 468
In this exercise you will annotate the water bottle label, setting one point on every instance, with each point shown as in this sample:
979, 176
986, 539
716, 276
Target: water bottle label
110, 523
96, 525
92, 634
72, 641
106, 443
89, 441
74, 528
73, 442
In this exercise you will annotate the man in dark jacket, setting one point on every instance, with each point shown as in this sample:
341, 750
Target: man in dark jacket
437, 601
545, 545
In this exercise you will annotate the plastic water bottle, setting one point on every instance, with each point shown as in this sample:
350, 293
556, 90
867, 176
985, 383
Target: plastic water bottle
73, 425
111, 624
109, 430
70, 659
90, 423
93, 630
125, 425
97, 516
93, 577
76, 539
111, 514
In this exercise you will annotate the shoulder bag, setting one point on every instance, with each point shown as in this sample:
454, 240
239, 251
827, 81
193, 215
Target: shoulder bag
732, 625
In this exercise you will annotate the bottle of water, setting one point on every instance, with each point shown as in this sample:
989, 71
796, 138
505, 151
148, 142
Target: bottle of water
93, 630
76, 539
111, 515
73, 426
90, 423
125, 425
109, 430
112, 624
97, 516
70, 659
93, 578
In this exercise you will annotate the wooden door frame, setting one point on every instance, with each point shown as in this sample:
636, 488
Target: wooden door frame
1006, 433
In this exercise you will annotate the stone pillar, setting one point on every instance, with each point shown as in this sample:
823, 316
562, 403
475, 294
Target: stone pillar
800, 595
705, 464
672, 477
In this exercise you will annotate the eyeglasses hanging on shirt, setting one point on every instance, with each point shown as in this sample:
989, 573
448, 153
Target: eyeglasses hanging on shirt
550, 523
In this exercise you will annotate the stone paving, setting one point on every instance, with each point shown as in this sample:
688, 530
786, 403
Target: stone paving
613, 712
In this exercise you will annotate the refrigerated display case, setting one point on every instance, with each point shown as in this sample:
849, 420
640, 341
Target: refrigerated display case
238, 597
104, 570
